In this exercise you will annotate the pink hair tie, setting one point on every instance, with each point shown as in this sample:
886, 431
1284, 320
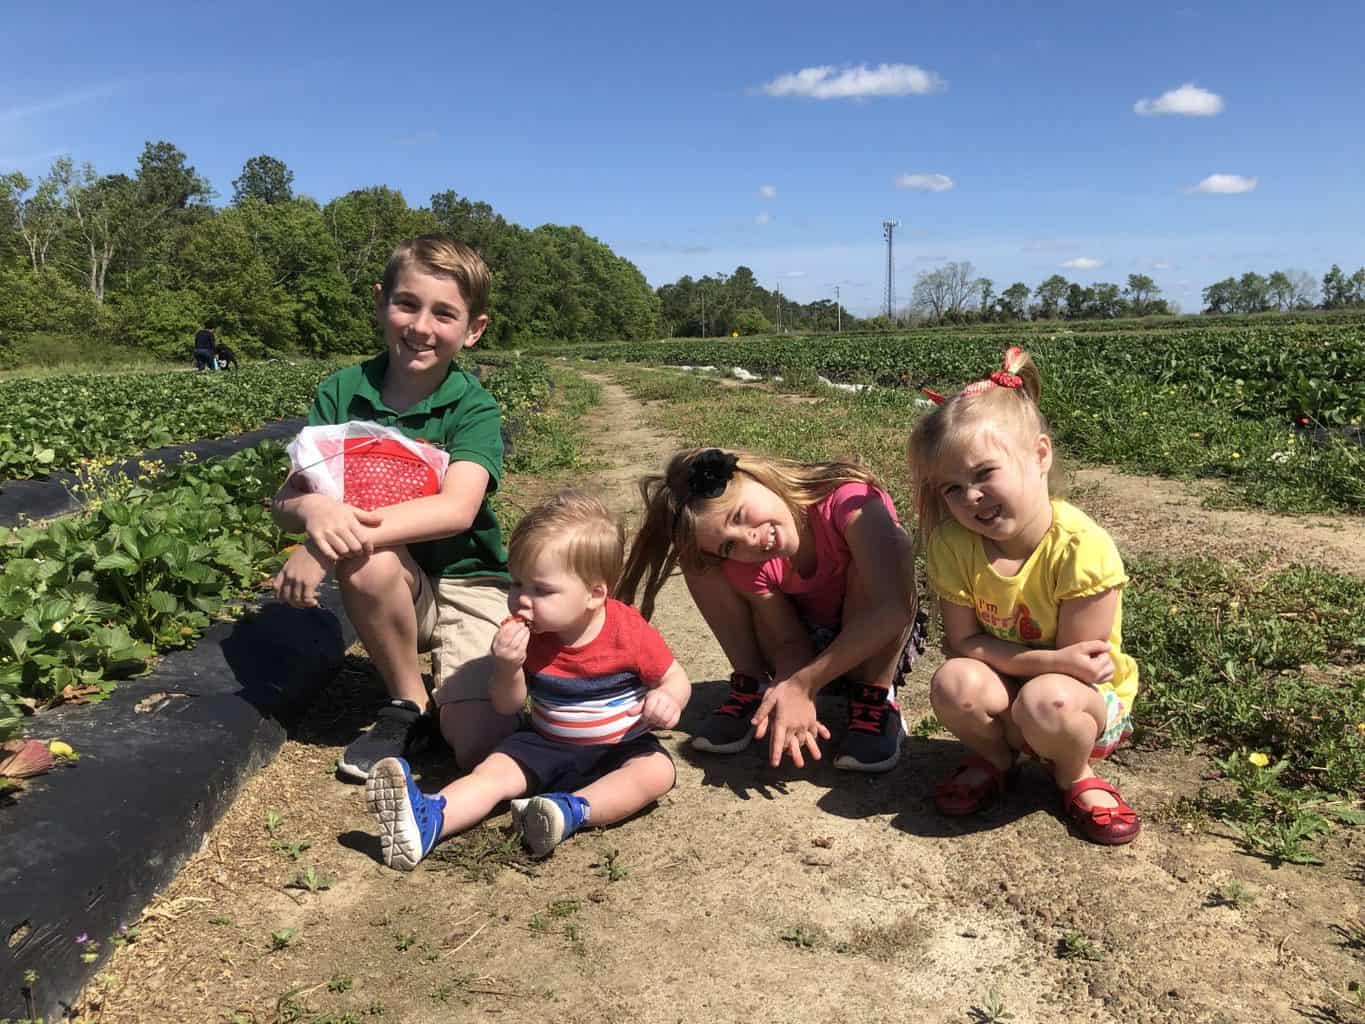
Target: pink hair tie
1007, 380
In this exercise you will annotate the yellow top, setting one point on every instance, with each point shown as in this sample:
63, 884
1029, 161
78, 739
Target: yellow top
1075, 558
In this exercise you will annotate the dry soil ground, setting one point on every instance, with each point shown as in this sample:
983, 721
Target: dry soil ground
753, 894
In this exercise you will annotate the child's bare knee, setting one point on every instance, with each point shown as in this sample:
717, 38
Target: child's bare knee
658, 773
370, 574
956, 685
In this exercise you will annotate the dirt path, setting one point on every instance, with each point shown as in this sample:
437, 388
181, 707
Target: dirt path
748, 895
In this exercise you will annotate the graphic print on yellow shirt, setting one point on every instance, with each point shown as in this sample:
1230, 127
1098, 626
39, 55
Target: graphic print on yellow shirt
1075, 559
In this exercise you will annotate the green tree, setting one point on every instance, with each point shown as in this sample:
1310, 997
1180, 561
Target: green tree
1221, 296
1014, 301
265, 179
1050, 295
1253, 293
1141, 292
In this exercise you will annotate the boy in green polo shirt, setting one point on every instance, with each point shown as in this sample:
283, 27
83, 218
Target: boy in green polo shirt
430, 573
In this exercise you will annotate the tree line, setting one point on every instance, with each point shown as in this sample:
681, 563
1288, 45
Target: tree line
144, 259
719, 305
953, 293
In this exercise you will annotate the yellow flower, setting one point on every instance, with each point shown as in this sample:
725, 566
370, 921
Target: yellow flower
1360, 728
57, 748
1258, 759
1236, 455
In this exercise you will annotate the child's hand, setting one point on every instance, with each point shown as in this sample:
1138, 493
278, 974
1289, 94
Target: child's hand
339, 530
658, 710
1088, 660
509, 643
788, 713
297, 583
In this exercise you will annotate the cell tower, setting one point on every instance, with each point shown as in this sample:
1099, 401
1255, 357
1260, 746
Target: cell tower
888, 232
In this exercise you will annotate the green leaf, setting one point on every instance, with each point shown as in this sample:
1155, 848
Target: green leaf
116, 562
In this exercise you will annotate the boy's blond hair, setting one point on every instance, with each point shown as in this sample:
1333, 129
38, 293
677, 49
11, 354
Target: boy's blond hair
579, 528
443, 256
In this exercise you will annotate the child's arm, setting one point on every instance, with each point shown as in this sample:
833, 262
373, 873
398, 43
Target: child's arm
663, 705
337, 530
1085, 659
451, 512
880, 550
507, 689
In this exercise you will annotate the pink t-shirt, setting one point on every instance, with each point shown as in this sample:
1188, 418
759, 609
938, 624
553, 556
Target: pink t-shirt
820, 597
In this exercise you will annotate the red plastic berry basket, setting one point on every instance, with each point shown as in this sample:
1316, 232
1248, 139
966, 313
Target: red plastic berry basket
381, 473
366, 465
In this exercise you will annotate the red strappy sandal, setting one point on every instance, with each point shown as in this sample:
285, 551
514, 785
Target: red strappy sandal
1108, 826
954, 799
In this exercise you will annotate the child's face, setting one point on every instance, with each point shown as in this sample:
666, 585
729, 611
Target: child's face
551, 598
425, 321
752, 525
997, 487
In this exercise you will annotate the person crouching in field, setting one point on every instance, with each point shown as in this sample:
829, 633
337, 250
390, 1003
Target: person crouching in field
599, 678
429, 573
1032, 596
804, 575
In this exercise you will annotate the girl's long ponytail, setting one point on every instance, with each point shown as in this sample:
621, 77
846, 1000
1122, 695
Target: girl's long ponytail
652, 556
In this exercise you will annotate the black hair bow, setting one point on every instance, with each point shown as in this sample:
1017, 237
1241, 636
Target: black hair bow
710, 473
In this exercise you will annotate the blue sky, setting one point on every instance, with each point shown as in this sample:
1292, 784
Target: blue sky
668, 132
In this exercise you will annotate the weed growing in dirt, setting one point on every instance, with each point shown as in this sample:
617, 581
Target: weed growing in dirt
1232, 894
310, 880
538, 923
611, 868
926, 728
273, 821
442, 993
800, 937
292, 850
992, 1010
220, 920
282, 939
1274, 820
1075, 945
480, 852
404, 941
341, 983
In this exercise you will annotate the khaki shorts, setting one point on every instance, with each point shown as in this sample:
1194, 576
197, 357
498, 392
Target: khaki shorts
456, 621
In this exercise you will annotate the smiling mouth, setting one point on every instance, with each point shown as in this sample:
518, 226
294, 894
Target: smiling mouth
989, 517
771, 542
411, 347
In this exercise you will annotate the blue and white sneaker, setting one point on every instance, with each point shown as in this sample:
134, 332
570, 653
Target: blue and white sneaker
547, 820
409, 820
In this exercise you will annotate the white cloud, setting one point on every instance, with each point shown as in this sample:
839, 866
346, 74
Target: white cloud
60, 101
827, 82
767, 191
1083, 263
1224, 185
925, 182
764, 217
1189, 99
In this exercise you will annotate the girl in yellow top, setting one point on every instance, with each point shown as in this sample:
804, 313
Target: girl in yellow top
1032, 592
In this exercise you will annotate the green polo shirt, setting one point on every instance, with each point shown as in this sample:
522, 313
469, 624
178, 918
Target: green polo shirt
459, 417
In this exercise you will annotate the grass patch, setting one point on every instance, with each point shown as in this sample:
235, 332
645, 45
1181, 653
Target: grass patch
480, 853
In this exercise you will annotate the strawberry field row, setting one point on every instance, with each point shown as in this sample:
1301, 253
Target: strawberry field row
52, 423
1313, 369
88, 600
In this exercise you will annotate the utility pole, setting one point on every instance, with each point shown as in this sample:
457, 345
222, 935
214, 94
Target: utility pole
888, 232
779, 307
838, 313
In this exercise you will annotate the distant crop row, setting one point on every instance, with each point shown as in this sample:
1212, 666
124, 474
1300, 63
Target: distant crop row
1276, 411
1291, 370
49, 424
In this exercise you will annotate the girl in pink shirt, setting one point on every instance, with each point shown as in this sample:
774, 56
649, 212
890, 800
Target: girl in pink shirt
804, 575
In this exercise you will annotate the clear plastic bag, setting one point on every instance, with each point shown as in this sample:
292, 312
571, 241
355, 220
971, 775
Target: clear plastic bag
366, 465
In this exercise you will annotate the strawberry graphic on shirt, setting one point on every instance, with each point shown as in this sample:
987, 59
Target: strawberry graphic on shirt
1029, 630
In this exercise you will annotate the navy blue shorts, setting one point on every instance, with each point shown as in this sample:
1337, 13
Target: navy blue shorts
564, 767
